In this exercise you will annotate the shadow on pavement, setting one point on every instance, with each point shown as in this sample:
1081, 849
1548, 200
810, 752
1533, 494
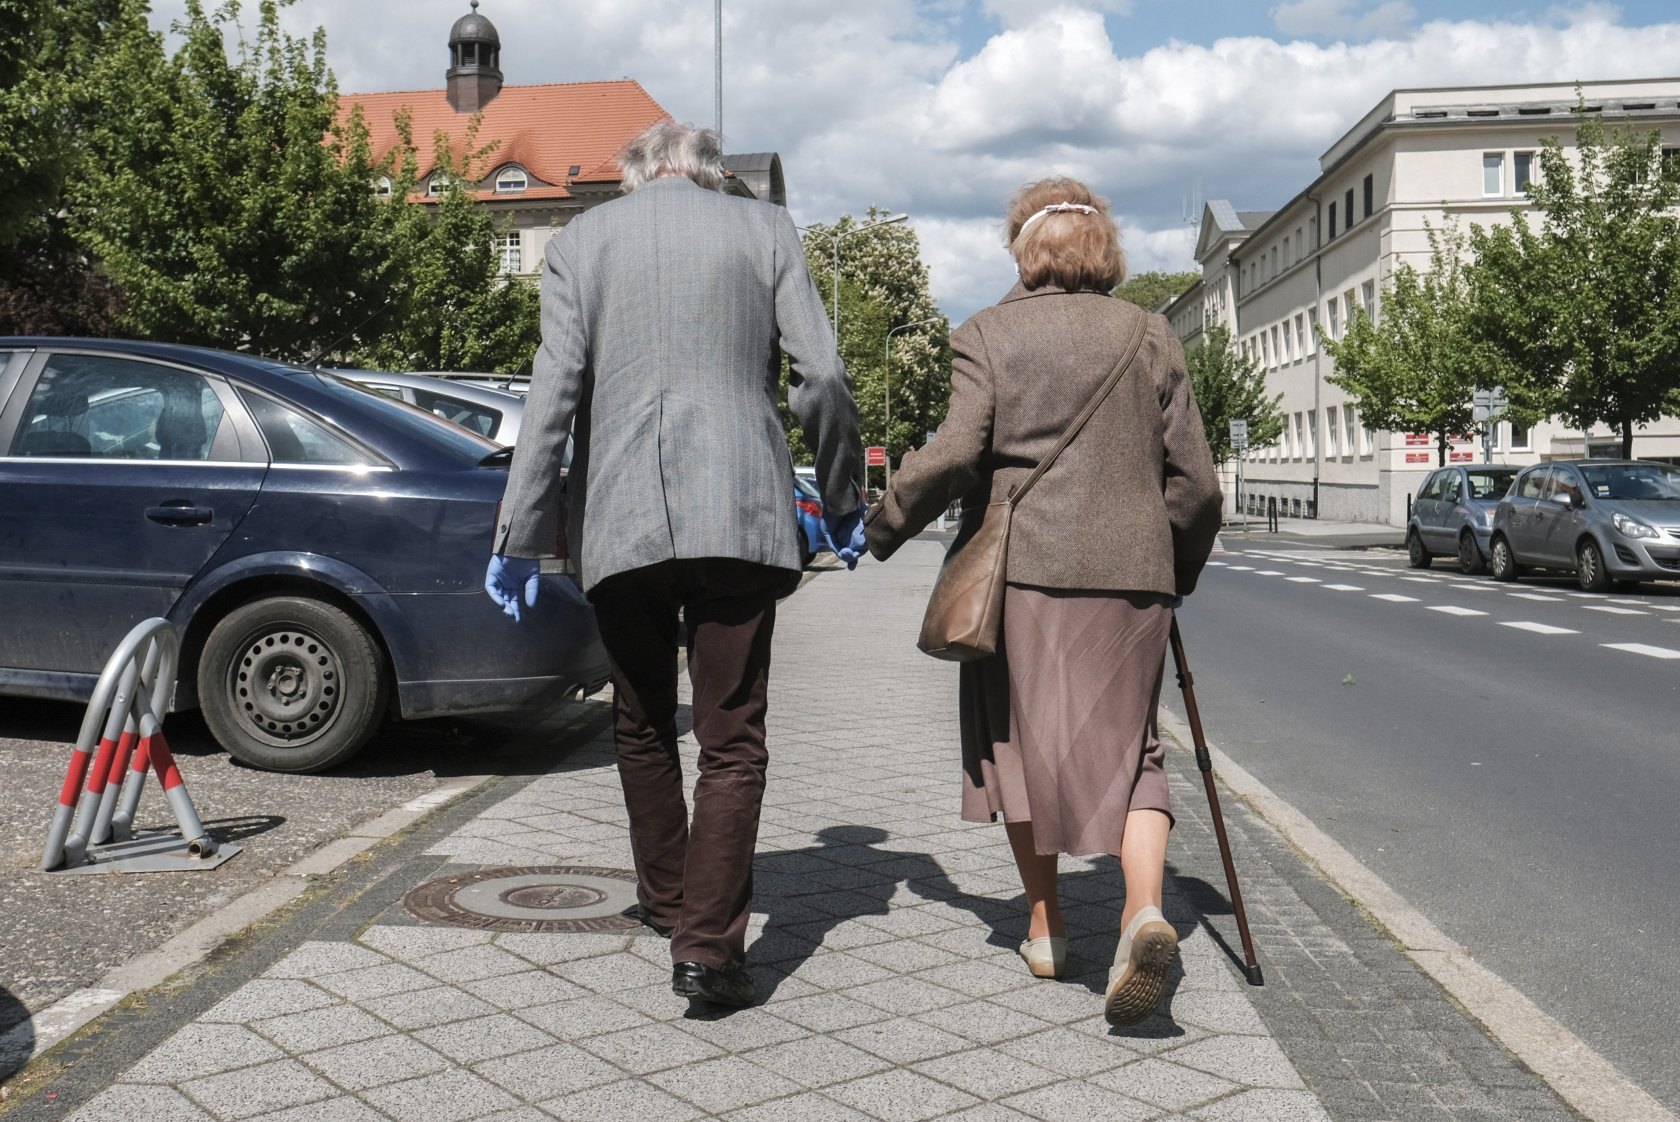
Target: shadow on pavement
17, 1034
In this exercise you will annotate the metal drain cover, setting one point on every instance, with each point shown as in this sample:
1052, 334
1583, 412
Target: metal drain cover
566, 899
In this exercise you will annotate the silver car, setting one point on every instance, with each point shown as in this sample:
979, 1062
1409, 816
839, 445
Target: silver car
1610, 522
492, 413
1453, 514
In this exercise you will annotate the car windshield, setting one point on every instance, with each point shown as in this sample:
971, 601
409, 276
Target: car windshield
1486, 483
1649, 482
417, 422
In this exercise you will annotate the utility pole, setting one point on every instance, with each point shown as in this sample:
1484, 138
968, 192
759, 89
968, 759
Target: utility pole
717, 39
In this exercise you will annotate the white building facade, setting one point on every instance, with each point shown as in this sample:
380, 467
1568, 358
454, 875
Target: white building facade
1419, 159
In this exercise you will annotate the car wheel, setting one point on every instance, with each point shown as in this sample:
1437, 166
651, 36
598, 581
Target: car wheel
1504, 563
1415, 551
1590, 572
291, 684
1470, 559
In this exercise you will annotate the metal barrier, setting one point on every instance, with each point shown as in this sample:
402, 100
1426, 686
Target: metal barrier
121, 738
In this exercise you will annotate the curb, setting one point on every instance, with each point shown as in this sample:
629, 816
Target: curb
1569, 1066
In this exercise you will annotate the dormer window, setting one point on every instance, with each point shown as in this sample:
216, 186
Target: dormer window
511, 180
437, 185
382, 187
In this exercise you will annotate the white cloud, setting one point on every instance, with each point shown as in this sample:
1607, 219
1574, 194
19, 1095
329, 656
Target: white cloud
870, 102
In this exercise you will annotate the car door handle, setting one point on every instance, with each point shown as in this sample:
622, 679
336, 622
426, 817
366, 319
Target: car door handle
178, 514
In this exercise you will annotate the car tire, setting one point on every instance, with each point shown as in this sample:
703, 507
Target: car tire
1470, 559
291, 684
1503, 564
1416, 553
1590, 572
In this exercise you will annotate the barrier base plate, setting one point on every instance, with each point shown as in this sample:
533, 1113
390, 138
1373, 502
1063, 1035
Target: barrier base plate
150, 851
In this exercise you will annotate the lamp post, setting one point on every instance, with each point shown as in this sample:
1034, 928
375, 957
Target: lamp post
886, 393
836, 239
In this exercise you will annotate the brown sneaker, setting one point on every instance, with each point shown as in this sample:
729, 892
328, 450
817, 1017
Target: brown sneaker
1141, 962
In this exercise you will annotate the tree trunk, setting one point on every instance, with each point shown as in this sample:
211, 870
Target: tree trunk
1627, 440
1441, 446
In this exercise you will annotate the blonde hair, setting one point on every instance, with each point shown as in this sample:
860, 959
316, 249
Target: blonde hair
1070, 249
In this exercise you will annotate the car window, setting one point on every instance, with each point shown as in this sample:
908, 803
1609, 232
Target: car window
478, 418
1489, 484
1565, 482
1451, 493
1638, 482
806, 489
106, 407
417, 423
1533, 484
1431, 488
393, 392
293, 438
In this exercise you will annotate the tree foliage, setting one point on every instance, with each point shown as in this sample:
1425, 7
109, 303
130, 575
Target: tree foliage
1581, 309
883, 286
1150, 290
1230, 386
1417, 369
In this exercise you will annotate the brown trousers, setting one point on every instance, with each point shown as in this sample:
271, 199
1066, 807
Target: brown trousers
694, 877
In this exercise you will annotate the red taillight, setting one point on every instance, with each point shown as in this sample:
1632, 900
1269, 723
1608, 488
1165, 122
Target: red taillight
806, 506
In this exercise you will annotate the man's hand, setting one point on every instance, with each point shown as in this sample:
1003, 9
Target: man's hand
845, 536
510, 579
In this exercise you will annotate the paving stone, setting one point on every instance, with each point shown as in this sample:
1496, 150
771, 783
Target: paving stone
1274, 1106
739, 1030
650, 1048
900, 1096
545, 1073
200, 1050
522, 990
450, 1096
1253, 1061
374, 981
258, 1090
809, 1107
1218, 1012
818, 1061
629, 1100
424, 1008
979, 979
314, 959
369, 1063
471, 964
987, 1074
268, 997
581, 1017
906, 995
829, 1012
518, 1114
1070, 1052
546, 950
610, 973
724, 1084
1165, 1084
987, 1112
321, 1028
484, 1038
345, 1109
1059, 1102
416, 942
903, 1041
983, 1022
124, 1103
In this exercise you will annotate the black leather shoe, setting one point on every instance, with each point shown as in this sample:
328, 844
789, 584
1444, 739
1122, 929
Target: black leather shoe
658, 929
720, 987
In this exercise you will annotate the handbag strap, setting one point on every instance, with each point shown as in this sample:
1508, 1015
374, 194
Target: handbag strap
1091, 407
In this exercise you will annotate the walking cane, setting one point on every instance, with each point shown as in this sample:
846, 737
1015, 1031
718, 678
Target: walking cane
1204, 761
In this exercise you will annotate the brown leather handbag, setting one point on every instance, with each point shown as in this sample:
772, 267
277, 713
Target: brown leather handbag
965, 613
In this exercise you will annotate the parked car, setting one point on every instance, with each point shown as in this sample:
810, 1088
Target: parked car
1453, 514
808, 512
807, 474
494, 413
1610, 522
320, 547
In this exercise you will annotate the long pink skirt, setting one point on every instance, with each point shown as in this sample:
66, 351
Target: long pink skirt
1059, 727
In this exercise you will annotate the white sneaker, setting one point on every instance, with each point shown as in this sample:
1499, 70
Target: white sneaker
1046, 957
1141, 962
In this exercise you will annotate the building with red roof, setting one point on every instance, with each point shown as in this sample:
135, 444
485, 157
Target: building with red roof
554, 148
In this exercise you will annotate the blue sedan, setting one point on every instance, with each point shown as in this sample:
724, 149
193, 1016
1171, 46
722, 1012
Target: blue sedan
320, 547
808, 512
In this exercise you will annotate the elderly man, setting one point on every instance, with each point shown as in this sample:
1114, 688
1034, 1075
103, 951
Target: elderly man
663, 314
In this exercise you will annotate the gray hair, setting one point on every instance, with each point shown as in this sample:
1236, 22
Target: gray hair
670, 147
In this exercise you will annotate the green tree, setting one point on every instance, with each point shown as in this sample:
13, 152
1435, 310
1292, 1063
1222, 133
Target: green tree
883, 286
1150, 290
1581, 309
1417, 369
1230, 386
212, 199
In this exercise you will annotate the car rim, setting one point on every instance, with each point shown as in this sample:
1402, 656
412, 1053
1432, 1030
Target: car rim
1501, 556
1466, 553
287, 686
1589, 565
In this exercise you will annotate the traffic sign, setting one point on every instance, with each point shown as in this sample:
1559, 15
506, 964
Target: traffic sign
875, 457
1239, 430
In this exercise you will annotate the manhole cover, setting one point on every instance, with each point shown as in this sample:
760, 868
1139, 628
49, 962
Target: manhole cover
530, 898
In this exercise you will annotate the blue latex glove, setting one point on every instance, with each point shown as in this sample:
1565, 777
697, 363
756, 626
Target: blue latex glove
1178, 602
844, 535
510, 579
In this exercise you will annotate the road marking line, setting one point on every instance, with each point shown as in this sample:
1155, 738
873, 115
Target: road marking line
1394, 598
1642, 649
1304, 580
1583, 595
1268, 573
1451, 610
1424, 580
1641, 603
1309, 564
1540, 628
1667, 607
1614, 611
1216, 564
1242, 568
1356, 588
1536, 596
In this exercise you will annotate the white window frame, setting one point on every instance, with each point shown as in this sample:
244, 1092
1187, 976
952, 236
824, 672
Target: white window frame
505, 184
1350, 426
1300, 336
510, 253
1369, 291
1332, 432
1533, 159
1511, 445
1493, 162
1335, 317
1311, 450
382, 187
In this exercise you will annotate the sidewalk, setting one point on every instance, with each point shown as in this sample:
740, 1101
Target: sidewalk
1332, 535
883, 944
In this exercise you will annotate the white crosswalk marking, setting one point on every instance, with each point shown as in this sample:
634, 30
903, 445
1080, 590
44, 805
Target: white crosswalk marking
1394, 598
1356, 588
1304, 580
1452, 610
1540, 628
1268, 573
1242, 568
1423, 580
1614, 611
1536, 596
1641, 603
1642, 649
1216, 564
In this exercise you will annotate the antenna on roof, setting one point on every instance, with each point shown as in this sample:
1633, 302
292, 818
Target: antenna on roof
1193, 203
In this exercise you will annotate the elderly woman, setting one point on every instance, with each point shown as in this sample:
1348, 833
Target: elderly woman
1058, 728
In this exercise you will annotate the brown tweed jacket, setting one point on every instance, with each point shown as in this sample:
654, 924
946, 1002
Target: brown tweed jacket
1133, 504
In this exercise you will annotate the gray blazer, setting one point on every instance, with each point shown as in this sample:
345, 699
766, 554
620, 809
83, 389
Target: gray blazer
664, 315
1132, 505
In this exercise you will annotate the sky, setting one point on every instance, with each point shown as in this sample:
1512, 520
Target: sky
943, 108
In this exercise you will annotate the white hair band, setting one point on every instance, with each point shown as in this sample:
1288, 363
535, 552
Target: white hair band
1056, 208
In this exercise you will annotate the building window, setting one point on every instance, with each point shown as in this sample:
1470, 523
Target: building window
1265, 351
1335, 318
1287, 259
1521, 435
511, 180
1277, 352
1298, 439
1311, 449
1369, 288
1332, 220
382, 187
1370, 194
1300, 244
1350, 304
437, 185
1493, 173
1522, 163
1300, 336
1348, 213
1350, 427
511, 252
1332, 430
1312, 331
1274, 261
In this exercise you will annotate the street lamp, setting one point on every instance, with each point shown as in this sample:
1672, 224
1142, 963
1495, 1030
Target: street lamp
886, 376
836, 239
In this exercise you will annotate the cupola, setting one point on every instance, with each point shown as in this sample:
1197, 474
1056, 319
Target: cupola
475, 62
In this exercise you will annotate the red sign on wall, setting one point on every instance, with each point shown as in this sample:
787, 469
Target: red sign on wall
875, 457
1417, 457
1461, 457
1414, 439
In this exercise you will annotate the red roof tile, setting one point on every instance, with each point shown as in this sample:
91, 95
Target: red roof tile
544, 129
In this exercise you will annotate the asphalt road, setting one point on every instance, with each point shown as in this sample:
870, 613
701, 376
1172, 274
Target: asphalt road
1505, 756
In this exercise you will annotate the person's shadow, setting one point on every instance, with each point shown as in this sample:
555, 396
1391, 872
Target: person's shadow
17, 1034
